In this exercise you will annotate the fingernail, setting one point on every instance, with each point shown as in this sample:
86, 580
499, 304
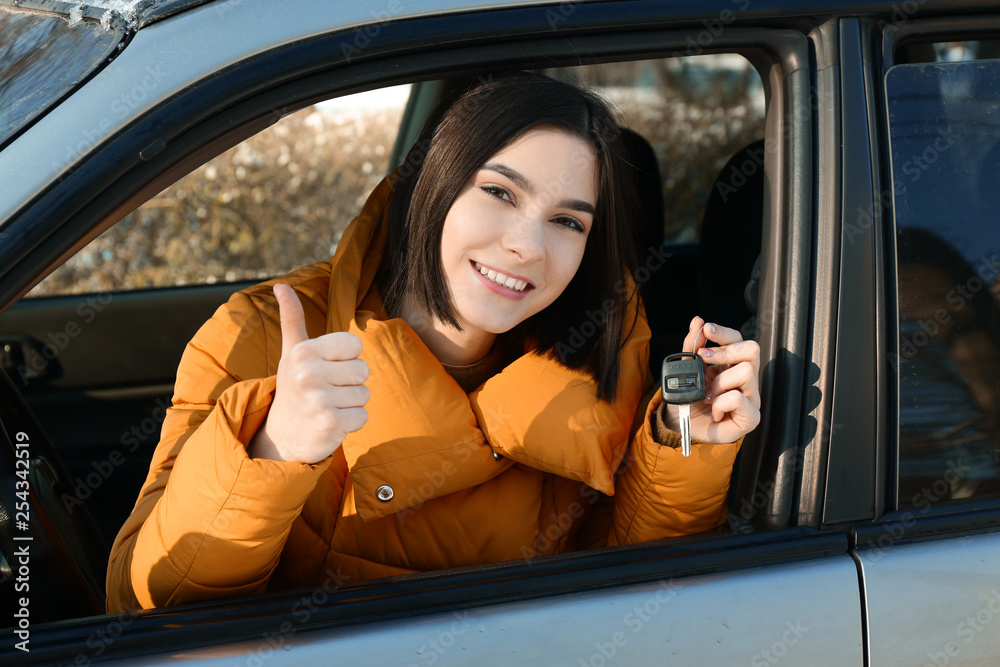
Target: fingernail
708, 398
711, 327
706, 352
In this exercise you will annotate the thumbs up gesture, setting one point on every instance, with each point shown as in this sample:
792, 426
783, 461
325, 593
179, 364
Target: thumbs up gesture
320, 394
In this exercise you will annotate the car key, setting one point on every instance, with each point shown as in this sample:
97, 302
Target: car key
683, 384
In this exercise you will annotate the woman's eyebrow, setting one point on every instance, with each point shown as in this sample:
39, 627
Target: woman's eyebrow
519, 180
523, 183
577, 205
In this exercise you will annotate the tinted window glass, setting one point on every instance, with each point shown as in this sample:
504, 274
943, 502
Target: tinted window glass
945, 138
41, 57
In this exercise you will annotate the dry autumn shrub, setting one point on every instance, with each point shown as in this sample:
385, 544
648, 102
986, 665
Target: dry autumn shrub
275, 202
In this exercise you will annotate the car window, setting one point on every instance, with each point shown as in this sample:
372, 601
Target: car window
696, 112
282, 198
275, 202
945, 140
41, 57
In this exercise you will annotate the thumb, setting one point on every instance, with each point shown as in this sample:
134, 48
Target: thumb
293, 321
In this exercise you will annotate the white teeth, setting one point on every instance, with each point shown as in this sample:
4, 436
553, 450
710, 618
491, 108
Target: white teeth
501, 279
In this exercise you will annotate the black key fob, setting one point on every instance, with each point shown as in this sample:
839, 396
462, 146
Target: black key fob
683, 378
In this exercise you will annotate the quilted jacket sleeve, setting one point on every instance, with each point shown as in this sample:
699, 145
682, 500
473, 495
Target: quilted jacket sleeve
211, 522
660, 493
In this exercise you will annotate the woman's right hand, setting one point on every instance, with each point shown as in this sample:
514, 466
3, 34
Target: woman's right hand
320, 393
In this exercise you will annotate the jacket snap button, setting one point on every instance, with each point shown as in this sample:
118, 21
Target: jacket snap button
384, 493
497, 456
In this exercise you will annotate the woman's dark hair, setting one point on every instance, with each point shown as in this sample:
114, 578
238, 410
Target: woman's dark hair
476, 127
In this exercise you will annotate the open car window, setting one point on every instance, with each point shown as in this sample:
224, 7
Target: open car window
277, 201
281, 199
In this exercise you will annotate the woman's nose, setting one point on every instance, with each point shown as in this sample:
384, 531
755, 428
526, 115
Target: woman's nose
525, 237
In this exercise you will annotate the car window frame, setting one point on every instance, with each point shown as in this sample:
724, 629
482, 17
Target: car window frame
93, 202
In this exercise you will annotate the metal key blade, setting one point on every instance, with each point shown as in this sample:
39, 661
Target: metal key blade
684, 413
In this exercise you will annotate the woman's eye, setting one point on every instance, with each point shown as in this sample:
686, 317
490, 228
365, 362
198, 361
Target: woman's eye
570, 223
497, 192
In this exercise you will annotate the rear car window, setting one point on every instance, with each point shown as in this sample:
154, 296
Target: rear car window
945, 139
41, 58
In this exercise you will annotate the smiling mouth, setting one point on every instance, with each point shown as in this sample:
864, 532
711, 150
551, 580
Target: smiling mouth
501, 279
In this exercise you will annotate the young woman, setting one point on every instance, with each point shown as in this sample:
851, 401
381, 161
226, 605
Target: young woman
430, 397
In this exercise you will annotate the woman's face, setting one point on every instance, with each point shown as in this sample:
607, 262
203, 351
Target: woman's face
515, 235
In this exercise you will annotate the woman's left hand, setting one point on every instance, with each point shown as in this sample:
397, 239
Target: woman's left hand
731, 408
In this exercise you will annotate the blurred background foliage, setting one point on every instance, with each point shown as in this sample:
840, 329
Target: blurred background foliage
282, 198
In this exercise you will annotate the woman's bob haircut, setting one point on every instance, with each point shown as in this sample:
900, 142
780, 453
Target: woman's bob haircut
476, 127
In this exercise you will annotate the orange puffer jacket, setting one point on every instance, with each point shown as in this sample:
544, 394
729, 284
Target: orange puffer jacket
211, 522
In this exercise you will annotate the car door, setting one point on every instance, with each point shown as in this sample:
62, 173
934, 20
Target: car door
744, 595
929, 565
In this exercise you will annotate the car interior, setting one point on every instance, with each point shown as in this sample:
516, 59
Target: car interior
98, 389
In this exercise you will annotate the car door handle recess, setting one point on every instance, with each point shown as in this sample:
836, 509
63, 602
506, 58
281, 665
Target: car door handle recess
27, 359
